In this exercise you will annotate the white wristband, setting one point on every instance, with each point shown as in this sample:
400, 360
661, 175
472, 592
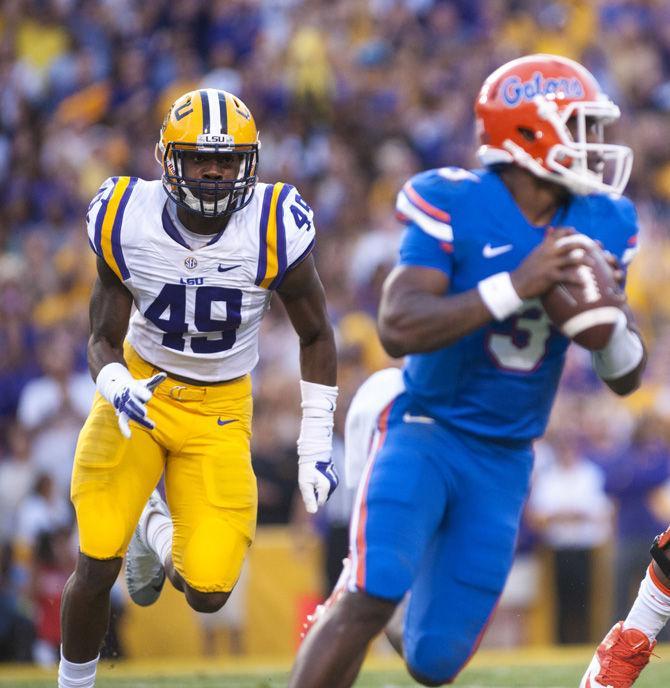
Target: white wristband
499, 295
316, 428
111, 378
623, 352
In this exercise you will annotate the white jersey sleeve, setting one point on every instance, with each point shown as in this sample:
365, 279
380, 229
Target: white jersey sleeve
104, 221
300, 230
287, 234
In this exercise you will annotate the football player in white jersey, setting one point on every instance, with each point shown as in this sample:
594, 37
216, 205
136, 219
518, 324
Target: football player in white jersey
198, 255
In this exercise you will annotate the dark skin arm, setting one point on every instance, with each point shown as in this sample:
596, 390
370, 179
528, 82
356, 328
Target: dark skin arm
628, 383
302, 294
109, 313
416, 314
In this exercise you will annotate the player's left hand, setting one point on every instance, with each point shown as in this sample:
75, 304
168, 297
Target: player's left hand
317, 481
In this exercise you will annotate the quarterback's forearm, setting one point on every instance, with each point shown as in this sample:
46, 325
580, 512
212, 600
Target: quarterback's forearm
622, 363
417, 322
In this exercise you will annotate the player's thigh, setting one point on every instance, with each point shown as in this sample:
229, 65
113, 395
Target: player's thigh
111, 481
211, 491
399, 505
464, 572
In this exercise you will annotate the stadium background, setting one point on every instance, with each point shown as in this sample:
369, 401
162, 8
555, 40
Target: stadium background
351, 98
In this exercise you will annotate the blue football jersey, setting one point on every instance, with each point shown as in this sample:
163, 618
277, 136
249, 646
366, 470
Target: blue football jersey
500, 380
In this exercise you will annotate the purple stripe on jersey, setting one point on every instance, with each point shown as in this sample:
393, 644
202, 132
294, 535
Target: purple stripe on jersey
97, 242
302, 256
170, 229
216, 237
117, 250
281, 237
294, 264
263, 235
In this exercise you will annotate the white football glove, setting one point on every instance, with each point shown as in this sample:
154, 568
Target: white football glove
317, 481
317, 477
127, 395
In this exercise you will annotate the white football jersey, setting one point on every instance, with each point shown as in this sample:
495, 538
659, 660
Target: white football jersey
198, 310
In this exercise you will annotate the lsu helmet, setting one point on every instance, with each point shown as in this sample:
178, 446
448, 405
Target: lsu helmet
522, 115
209, 121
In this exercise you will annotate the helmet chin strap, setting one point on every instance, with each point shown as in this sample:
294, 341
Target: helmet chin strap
197, 205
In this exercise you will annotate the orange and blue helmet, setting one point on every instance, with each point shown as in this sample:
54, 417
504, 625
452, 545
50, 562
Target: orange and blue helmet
547, 114
209, 121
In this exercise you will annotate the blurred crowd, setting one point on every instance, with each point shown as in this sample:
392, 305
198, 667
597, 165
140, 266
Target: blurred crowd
351, 98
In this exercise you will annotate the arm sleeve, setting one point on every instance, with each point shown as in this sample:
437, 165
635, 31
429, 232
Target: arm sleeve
300, 230
428, 240
421, 249
96, 212
627, 245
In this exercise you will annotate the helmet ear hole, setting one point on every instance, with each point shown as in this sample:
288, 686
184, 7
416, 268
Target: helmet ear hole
527, 133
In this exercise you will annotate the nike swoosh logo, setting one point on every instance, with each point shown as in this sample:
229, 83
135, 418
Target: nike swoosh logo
491, 252
224, 269
409, 418
225, 422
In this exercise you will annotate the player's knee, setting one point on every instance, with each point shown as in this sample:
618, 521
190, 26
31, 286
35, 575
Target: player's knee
432, 660
212, 558
206, 602
363, 610
105, 538
95, 576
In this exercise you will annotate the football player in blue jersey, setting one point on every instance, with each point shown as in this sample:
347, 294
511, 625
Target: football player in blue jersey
440, 499
198, 254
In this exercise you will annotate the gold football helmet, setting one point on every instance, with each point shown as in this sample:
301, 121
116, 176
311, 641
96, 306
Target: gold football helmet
208, 121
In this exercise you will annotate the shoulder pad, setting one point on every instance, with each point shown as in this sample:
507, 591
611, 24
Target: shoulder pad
619, 217
424, 200
286, 233
104, 220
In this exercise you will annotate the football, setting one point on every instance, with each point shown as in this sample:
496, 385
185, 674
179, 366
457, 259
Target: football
586, 313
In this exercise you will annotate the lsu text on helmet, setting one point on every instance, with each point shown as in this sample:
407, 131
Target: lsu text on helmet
209, 122
547, 114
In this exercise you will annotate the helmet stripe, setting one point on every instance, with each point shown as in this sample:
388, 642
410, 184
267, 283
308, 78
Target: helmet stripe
223, 112
205, 111
214, 115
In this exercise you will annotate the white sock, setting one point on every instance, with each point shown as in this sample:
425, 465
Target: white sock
159, 536
71, 675
651, 609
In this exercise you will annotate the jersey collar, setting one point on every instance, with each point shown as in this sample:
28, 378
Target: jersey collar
172, 231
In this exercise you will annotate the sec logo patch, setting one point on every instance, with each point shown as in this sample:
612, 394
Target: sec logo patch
190, 262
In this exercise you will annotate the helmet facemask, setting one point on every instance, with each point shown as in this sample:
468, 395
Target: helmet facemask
575, 161
210, 197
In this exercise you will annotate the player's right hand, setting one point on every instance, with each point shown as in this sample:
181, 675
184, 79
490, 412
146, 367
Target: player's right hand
547, 264
127, 395
130, 402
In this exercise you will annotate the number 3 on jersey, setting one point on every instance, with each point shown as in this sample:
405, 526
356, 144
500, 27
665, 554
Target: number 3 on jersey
524, 347
172, 298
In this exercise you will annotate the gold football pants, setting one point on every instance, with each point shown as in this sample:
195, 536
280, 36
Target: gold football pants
202, 443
